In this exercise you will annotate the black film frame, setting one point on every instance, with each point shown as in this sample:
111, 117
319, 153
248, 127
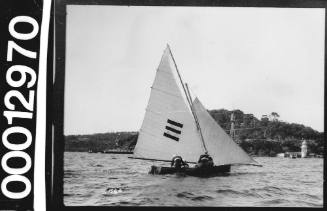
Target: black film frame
56, 82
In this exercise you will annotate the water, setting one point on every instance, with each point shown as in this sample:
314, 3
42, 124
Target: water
96, 179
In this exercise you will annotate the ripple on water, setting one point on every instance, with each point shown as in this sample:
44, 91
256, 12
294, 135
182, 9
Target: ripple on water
240, 194
302, 203
280, 182
71, 174
310, 196
193, 197
271, 189
275, 202
229, 191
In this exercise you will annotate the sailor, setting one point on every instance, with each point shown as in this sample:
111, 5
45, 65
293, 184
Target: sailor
205, 161
178, 163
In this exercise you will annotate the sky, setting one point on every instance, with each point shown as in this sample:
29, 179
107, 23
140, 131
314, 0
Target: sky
258, 60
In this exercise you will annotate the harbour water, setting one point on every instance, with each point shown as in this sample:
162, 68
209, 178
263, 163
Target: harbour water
96, 179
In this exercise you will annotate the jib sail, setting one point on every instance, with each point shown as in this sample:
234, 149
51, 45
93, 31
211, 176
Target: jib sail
221, 146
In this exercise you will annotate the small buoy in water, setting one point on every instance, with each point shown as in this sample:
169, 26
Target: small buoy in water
113, 190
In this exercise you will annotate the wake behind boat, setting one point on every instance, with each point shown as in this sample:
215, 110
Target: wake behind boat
174, 125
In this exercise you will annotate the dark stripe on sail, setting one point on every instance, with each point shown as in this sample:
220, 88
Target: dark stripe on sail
170, 136
173, 130
175, 123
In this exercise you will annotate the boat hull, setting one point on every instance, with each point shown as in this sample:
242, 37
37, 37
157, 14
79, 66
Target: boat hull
194, 171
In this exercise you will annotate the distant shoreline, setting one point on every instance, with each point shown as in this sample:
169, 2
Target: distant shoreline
258, 137
120, 153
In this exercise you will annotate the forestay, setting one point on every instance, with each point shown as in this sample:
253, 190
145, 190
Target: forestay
168, 126
220, 146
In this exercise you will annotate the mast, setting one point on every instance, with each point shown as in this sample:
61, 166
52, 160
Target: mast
179, 76
189, 100
196, 119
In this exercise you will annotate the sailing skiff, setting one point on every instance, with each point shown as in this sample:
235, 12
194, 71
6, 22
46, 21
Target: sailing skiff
175, 124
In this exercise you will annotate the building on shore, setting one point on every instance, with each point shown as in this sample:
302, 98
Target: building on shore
304, 149
302, 154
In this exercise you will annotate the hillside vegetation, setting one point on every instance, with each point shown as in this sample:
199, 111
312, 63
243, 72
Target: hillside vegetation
266, 136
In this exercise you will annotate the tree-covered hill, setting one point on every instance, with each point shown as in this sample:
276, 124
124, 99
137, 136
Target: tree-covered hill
265, 136
269, 135
248, 126
101, 141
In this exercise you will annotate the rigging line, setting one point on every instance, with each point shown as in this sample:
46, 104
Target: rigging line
179, 76
196, 119
188, 100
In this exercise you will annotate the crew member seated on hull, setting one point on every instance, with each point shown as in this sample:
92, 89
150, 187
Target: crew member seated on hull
205, 161
178, 163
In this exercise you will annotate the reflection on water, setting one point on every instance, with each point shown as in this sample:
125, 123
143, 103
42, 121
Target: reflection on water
92, 179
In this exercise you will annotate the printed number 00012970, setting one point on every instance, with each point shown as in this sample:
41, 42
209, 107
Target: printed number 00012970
27, 80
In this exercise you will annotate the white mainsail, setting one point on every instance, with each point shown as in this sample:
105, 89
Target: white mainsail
168, 127
221, 146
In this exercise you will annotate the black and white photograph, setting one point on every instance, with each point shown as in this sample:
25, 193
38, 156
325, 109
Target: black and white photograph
193, 106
